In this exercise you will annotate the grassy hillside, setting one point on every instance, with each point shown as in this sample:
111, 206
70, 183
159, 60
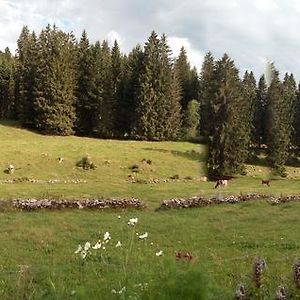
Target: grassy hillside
37, 255
36, 157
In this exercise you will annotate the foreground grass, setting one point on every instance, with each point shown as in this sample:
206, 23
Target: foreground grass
38, 261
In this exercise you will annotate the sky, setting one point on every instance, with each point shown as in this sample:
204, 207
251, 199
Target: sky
250, 31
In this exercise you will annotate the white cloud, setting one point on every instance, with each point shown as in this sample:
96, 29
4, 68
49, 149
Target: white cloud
113, 36
195, 56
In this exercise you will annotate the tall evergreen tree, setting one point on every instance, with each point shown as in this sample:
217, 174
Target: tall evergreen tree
296, 125
127, 107
27, 53
260, 109
7, 85
207, 94
106, 107
228, 147
156, 98
54, 103
89, 86
249, 95
117, 78
279, 121
183, 70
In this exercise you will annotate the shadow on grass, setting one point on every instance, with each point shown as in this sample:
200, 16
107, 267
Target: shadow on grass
192, 155
10, 123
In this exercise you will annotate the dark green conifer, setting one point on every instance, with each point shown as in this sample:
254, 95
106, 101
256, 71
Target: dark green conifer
55, 99
228, 147
207, 94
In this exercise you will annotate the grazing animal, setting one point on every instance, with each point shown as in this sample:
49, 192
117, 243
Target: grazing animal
265, 182
221, 183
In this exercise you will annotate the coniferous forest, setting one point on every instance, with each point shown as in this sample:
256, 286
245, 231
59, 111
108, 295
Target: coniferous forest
58, 85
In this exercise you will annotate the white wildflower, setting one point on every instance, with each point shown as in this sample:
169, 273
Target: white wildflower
78, 249
123, 289
83, 254
119, 217
159, 253
118, 244
106, 237
103, 248
87, 246
97, 245
143, 236
132, 221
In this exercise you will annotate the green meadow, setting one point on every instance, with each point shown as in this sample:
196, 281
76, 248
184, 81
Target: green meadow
37, 248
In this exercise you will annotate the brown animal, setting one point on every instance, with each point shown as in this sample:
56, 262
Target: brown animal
221, 183
266, 182
182, 255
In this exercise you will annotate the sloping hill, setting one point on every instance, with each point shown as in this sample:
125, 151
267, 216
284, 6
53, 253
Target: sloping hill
39, 173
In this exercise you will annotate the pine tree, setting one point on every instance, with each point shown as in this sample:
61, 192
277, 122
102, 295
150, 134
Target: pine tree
55, 99
279, 122
290, 102
117, 78
89, 91
207, 94
228, 147
249, 95
260, 110
106, 108
156, 98
127, 108
26, 60
183, 70
296, 125
7, 85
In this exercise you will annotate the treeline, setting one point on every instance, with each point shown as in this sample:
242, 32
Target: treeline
58, 85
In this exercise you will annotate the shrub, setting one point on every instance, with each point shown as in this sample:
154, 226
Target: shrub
86, 163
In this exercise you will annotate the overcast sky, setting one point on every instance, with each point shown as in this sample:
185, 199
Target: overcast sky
250, 31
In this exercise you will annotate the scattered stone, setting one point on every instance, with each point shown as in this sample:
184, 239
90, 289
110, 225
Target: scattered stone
10, 169
176, 176
60, 160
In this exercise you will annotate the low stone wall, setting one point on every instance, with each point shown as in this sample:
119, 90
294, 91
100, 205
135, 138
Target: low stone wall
35, 204
199, 201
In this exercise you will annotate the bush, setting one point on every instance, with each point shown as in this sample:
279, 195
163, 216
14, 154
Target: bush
86, 163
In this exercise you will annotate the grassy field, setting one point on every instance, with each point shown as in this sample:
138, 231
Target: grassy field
37, 249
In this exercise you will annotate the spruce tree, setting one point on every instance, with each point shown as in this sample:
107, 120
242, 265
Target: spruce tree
207, 94
127, 107
106, 107
117, 78
260, 110
26, 63
156, 98
228, 148
7, 85
278, 122
183, 70
87, 91
55, 99
296, 125
249, 95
